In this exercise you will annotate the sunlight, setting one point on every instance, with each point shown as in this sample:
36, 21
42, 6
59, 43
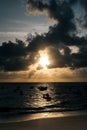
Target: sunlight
43, 60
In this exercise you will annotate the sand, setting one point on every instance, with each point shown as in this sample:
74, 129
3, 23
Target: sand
78, 122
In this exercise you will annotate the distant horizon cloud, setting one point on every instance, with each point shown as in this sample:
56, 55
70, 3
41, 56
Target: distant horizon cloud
53, 75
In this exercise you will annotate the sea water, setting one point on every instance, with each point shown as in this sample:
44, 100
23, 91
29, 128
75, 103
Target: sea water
33, 98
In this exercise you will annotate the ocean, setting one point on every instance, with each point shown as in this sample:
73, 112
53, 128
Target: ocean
32, 98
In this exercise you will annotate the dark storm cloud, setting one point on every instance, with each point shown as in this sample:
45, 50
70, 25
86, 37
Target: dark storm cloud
10, 49
59, 59
60, 33
82, 2
17, 56
79, 60
14, 56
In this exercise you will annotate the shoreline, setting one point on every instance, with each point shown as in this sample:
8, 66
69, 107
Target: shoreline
6, 118
73, 122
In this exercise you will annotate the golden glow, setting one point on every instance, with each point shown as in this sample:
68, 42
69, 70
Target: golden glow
44, 61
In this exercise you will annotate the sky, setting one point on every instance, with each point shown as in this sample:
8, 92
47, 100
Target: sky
43, 40
16, 23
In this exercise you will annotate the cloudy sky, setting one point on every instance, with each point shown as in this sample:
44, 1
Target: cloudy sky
43, 40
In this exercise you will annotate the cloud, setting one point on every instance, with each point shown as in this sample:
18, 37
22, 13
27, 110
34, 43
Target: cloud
13, 56
63, 34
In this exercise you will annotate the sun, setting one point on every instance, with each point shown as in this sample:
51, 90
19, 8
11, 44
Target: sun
43, 61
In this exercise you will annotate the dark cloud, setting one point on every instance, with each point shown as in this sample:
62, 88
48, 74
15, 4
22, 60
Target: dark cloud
59, 59
10, 49
13, 56
63, 13
79, 59
82, 2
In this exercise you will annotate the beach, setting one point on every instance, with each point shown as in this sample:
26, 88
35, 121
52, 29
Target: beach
77, 122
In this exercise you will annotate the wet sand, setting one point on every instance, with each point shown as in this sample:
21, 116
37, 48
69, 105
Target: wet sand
78, 122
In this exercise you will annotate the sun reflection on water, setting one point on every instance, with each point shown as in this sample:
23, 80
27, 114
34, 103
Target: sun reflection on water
38, 98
